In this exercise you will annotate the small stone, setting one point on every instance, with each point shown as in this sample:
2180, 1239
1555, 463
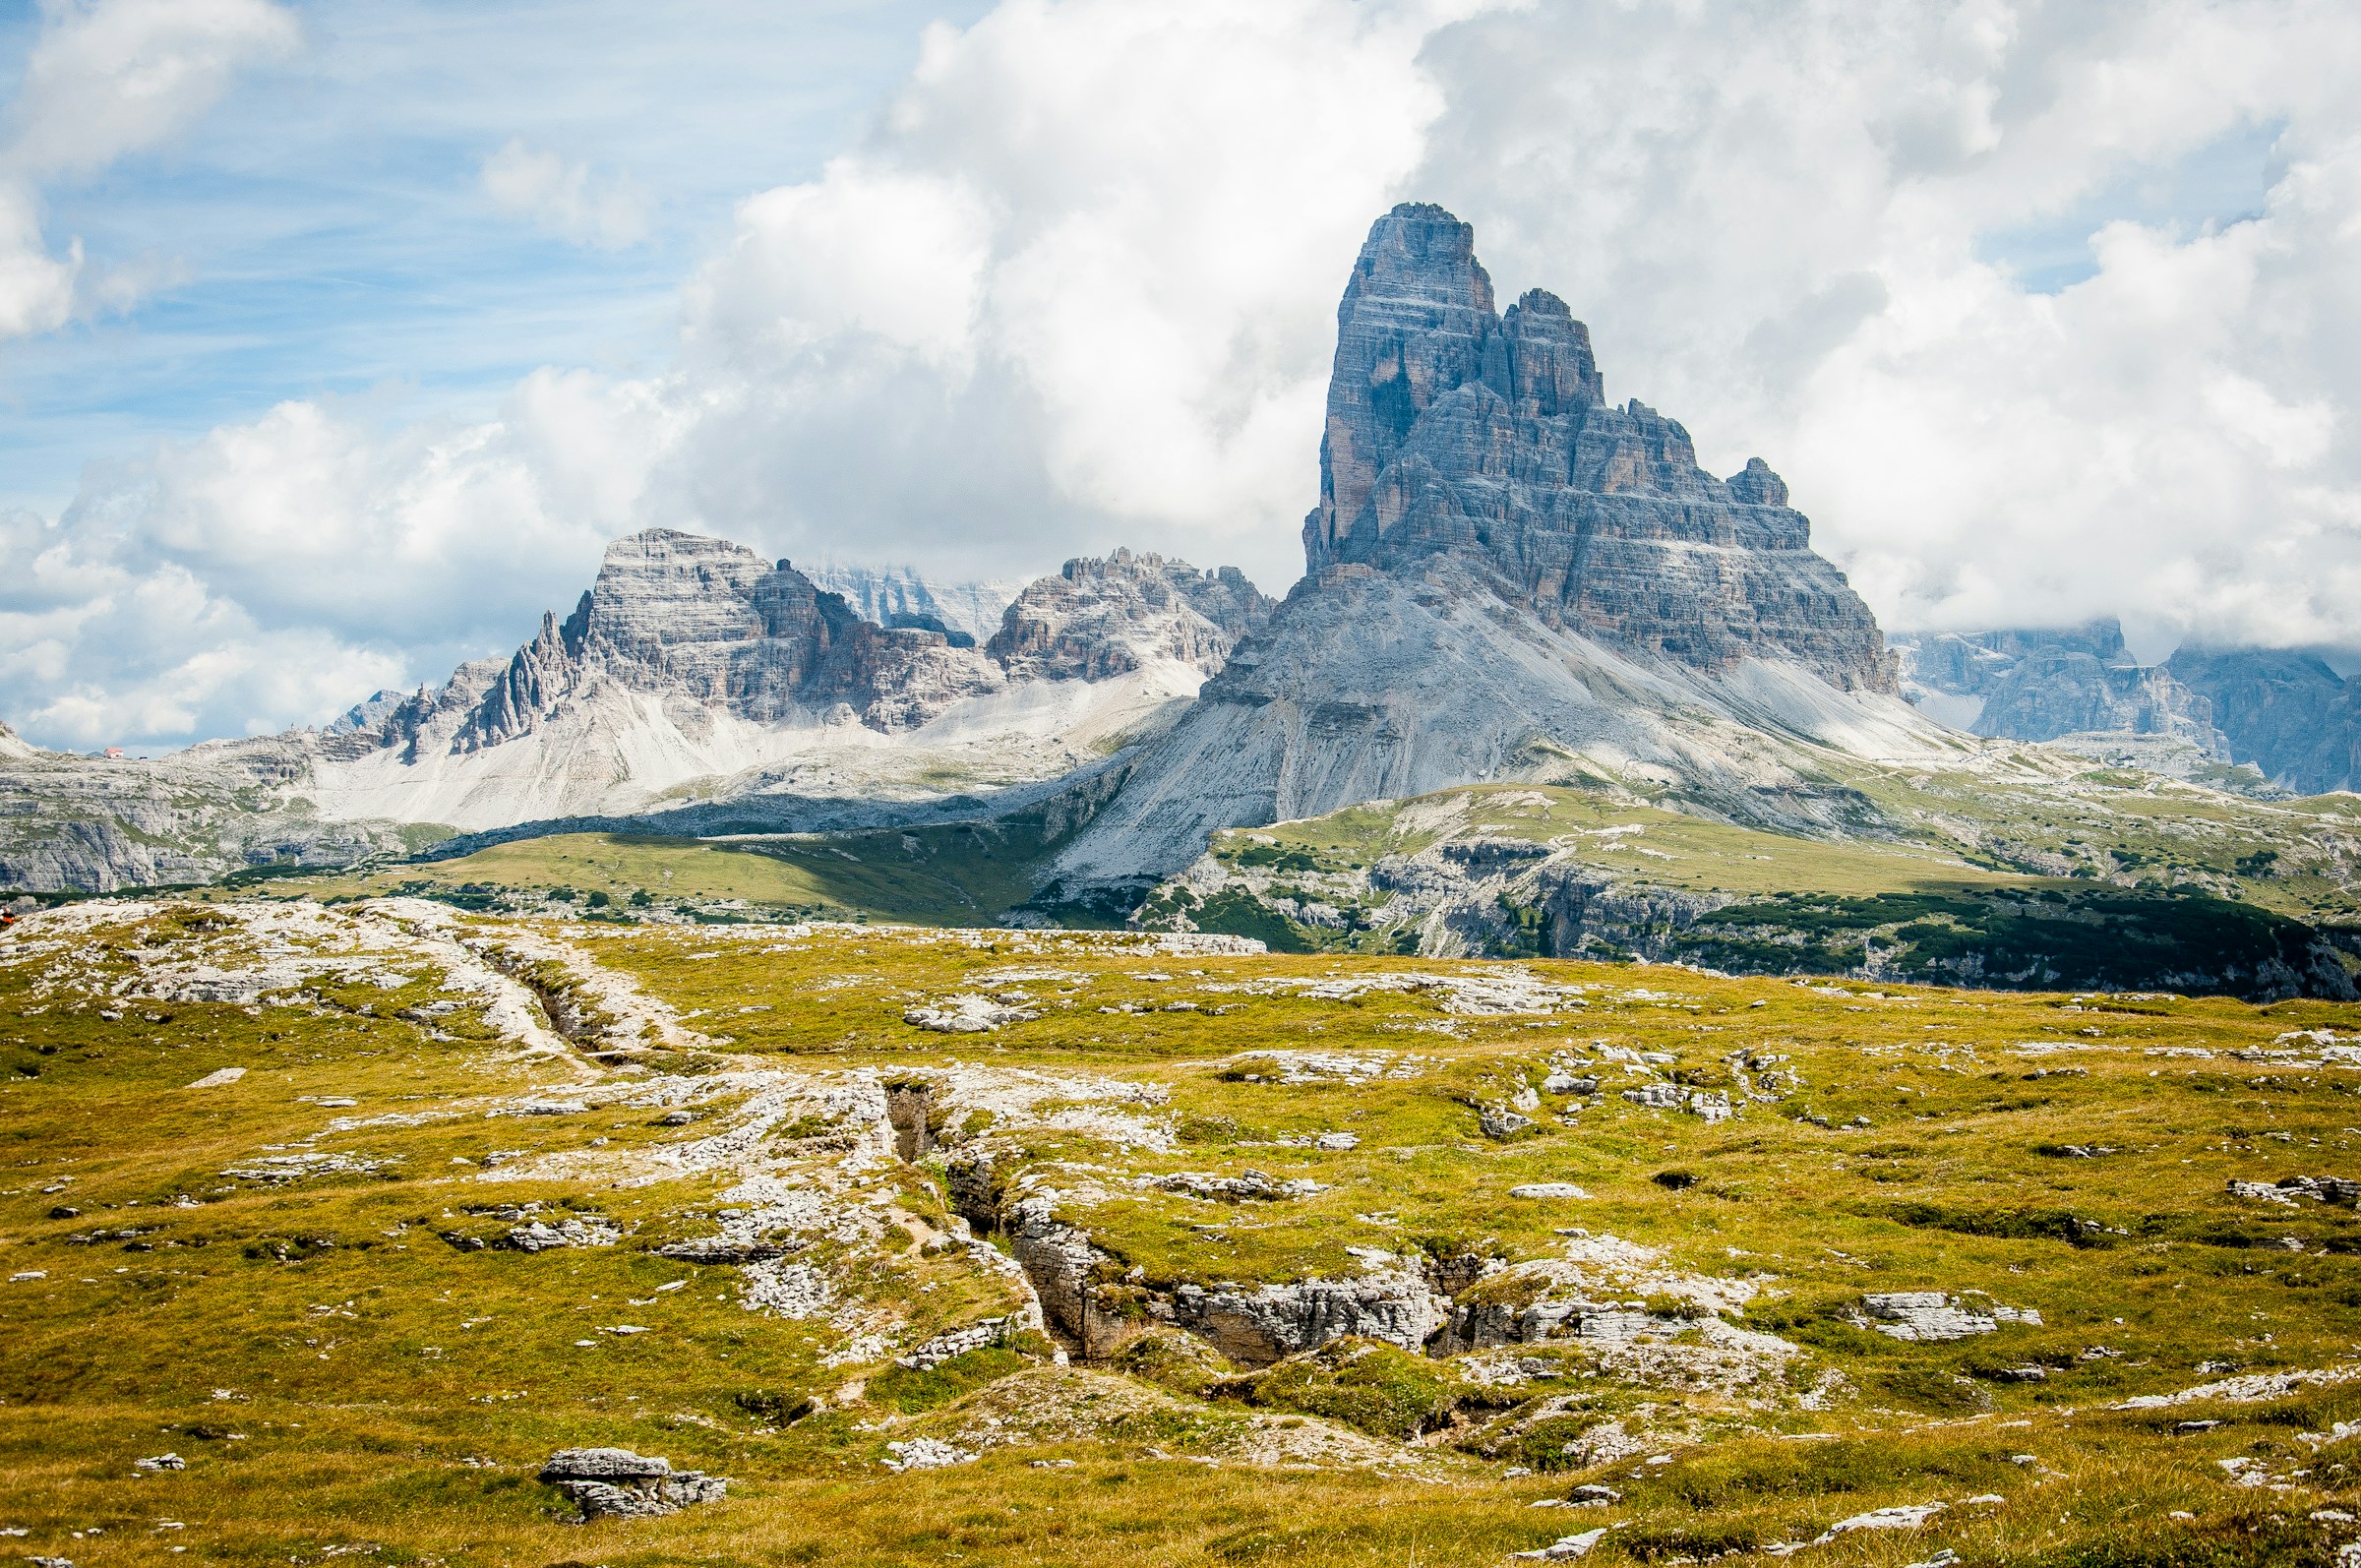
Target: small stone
1499, 1122
1548, 1189
160, 1461
676, 1118
1566, 1547
1906, 1516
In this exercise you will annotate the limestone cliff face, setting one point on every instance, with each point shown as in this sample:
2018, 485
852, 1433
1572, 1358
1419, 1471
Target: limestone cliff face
711, 622
2286, 713
1510, 577
1098, 619
1453, 429
695, 669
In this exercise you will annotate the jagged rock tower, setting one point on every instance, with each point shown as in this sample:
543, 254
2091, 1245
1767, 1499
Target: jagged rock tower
1508, 576
1454, 429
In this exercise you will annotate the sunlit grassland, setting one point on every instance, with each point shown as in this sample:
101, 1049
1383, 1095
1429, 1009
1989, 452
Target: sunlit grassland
393, 1391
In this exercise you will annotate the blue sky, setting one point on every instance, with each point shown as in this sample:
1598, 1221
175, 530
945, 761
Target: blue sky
329, 226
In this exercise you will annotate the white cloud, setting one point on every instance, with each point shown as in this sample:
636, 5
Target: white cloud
276, 572
1110, 233
36, 288
1771, 219
567, 198
111, 76
107, 77
1076, 287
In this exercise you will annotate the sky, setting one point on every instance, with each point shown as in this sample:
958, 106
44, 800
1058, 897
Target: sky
336, 341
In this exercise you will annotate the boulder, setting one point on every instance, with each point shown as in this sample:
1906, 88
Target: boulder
615, 1482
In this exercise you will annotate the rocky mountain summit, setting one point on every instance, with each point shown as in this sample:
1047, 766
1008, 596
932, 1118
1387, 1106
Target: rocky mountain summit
1456, 430
1100, 618
902, 596
1508, 576
2287, 714
693, 669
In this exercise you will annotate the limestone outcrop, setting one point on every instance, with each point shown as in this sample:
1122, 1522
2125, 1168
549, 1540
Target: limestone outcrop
617, 1483
694, 672
1507, 577
1453, 429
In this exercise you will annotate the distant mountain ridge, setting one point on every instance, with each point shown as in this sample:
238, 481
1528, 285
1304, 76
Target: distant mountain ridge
905, 596
2284, 712
692, 670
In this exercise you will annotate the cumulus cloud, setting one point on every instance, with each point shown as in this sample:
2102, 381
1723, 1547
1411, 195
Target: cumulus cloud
111, 76
567, 196
107, 77
1084, 272
277, 571
1076, 286
1780, 226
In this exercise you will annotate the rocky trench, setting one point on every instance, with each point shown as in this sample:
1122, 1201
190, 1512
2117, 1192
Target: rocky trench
1094, 1306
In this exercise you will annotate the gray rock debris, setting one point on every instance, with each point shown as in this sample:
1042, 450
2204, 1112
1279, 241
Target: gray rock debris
1248, 1184
1565, 1549
619, 1483
1499, 1121
967, 1014
925, 1453
960, 1341
534, 1228
2321, 1189
1931, 1315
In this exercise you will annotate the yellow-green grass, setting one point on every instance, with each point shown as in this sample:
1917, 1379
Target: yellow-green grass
1670, 848
361, 1396
942, 875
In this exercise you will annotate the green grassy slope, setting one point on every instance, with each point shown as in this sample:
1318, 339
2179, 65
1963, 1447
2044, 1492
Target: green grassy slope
2077, 885
286, 1291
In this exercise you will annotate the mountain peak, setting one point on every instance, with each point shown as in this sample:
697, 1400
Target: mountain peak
1455, 431
1418, 252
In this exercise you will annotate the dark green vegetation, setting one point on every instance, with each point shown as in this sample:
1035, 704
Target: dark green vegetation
2087, 885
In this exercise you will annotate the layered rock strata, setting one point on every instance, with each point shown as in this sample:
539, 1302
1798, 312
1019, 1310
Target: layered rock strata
1455, 429
1510, 577
692, 672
